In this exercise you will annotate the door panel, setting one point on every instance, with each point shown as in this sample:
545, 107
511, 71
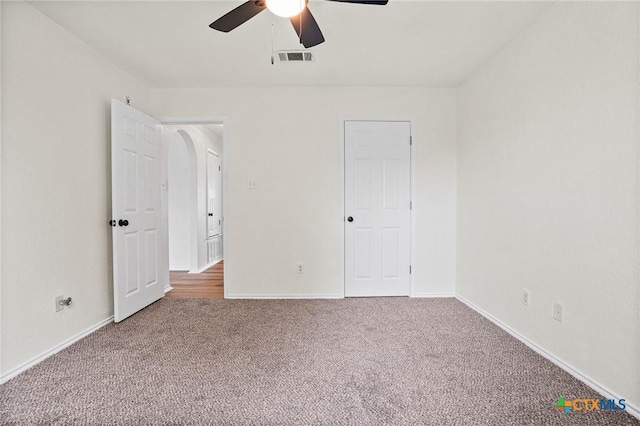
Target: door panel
135, 148
151, 244
363, 183
390, 252
149, 190
130, 188
377, 197
362, 255
130, 240
390, 184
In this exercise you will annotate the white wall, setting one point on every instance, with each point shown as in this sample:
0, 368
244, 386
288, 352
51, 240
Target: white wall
55, 182
287, 139
548, 188
180, 203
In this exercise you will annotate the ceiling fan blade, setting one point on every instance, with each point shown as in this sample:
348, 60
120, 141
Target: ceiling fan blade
309, 34
375, 2
238, 16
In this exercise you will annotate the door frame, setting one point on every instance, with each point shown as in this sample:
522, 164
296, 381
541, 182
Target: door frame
412, 221
194, 121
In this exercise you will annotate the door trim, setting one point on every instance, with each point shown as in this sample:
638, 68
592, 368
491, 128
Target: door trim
341, 159
226, 249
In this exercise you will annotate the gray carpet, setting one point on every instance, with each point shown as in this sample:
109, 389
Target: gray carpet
392, 361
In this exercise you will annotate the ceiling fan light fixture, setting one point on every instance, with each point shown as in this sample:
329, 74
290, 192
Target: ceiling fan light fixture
286, 8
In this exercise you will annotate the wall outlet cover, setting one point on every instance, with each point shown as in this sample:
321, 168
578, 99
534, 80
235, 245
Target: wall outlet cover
59, 305
557, 312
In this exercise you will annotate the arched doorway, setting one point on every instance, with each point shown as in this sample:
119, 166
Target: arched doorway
193, 207
182, 202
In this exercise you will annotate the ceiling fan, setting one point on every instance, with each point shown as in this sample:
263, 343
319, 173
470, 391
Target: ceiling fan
296, 10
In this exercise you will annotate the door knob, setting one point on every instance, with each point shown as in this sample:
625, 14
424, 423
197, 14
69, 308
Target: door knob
350, 219
123, 222
210, 214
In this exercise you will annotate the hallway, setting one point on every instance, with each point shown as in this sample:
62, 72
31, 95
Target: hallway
208, 284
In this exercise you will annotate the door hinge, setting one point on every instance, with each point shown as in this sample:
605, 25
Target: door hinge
410, 205
219, 168
409, 268
410, 140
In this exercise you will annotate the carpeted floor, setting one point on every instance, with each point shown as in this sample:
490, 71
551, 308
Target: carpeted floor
391, 361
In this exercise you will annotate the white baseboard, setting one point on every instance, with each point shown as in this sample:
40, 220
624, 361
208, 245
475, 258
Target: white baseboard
432, 295
631, 409
38, 359
167, 289
284, 296
205, 267
179, 269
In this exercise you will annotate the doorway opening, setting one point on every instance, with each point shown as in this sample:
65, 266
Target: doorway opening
193, 190
182, 202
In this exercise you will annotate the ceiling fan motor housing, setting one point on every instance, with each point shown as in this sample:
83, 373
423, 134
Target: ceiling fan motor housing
297, 11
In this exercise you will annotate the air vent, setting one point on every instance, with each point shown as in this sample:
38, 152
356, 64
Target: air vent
296, 56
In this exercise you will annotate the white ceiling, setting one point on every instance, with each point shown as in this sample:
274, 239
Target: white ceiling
168, 44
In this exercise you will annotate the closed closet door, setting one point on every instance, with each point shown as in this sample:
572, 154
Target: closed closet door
377, 208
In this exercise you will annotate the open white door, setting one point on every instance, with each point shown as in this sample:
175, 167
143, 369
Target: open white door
135, 187
214, 210
377, 208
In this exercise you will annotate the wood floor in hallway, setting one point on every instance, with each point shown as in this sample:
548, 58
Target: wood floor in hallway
207, 284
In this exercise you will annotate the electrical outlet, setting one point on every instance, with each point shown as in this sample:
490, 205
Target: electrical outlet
251, 184
300, 268
557, 312
526, 297
59, 305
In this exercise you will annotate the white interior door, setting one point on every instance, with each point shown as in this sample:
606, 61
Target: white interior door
377, 208
214, 200
135, 169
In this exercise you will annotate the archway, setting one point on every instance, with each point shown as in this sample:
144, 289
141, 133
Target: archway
182, 202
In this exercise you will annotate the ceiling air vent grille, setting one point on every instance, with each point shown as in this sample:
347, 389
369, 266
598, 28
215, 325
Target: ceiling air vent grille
296, 56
